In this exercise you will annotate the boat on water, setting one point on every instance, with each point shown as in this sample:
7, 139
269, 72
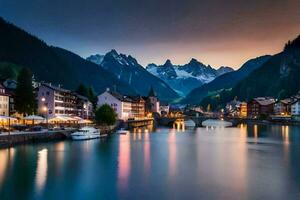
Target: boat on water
87, 133
216, 123
122, 131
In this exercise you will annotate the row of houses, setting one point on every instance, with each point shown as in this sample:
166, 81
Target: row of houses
129, 107
53, 101
266, 107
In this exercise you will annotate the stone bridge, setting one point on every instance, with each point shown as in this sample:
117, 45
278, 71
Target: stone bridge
169, 121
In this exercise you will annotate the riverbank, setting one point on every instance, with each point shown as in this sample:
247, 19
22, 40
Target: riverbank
17, 138
269, 122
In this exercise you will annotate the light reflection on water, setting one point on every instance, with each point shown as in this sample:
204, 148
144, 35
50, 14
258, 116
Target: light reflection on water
247, 162
124, 161
172, 152
41, 171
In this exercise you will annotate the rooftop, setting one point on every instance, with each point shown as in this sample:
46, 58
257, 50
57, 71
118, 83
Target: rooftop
264, 101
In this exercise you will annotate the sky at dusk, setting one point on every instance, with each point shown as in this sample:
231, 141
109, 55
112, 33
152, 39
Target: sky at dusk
216, 32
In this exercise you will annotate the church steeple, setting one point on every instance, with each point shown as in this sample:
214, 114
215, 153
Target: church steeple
152, 92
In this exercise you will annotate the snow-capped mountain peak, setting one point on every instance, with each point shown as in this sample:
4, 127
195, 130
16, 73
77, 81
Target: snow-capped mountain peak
97, 58
184, 78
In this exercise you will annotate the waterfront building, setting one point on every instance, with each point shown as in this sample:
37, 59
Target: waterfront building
137, 107
236, 109
4, 101
295, 110
55, 101
283, 107
10, 88
164, 109
260, 107
152, 102
84, 107
243, 110
126, 107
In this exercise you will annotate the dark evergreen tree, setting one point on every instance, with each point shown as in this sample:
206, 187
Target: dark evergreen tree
92, 97
9, 70
82, 90
25, 101
105, 115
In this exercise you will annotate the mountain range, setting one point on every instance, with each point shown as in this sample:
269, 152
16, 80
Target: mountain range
184, 78
128, 70
276, 76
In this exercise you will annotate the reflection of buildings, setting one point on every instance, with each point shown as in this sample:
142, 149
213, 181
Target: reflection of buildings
147, 159
285, 134
6, 158
41, 171
172, 153
124, 161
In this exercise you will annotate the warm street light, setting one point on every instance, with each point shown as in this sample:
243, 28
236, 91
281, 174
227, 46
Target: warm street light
45, 108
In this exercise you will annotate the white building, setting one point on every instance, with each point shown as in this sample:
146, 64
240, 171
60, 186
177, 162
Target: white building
124, 106
164, 109
121, 104
4, 102
295, 110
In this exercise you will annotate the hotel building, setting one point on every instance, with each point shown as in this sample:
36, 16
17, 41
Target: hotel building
54, 101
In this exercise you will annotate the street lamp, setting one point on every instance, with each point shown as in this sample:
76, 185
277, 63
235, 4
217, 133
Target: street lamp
45, 110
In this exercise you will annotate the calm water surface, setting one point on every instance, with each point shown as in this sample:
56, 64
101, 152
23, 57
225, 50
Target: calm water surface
248, 162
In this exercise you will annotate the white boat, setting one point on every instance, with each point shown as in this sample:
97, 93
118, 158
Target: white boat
86, 133
216, 123
122, 131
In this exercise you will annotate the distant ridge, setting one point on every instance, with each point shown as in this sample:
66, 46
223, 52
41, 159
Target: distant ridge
52, 64
184, 78
128, 70
225, 81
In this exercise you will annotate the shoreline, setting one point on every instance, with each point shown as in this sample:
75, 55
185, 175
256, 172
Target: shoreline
19, 138
13, 139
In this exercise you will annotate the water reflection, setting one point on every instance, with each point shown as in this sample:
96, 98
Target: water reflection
286, 141
285, 134
147, 161
59, 156
172, 152
223, 163
41, 171
6, 159
124, 161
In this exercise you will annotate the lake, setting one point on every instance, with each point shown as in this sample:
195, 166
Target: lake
246, 162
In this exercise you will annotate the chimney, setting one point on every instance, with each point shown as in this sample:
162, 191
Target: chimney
107, 89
